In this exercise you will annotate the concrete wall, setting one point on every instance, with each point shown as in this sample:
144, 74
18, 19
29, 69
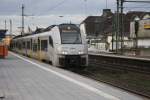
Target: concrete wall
145, 52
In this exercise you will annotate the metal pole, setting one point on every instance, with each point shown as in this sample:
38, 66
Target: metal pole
113, 35
117, 24
22, 20
10, 26
121, 26
5, 25
106, 4
137, 1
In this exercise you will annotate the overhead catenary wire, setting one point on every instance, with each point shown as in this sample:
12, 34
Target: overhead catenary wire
138, 5
55, 6
137, 1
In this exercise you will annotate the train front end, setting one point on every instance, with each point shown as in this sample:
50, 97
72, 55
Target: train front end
73, 49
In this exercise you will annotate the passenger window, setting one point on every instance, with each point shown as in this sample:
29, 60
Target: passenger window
28, 45
38, 44
35, 47
44, 46
51, 41
31, 44
23, 45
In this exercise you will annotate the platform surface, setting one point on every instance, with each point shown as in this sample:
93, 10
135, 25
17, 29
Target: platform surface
23, 78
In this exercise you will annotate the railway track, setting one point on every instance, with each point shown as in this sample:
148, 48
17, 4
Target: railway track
95, 71
125, 66
93, 75
116, 84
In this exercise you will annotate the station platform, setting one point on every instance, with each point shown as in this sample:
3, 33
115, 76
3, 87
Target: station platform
23, 78
107, 54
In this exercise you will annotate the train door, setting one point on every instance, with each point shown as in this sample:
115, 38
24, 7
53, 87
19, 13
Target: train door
44, 49
26, 47
31, 50
39, 50
36, 48
51, 50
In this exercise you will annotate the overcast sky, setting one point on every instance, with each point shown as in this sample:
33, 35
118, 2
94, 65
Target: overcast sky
47, 12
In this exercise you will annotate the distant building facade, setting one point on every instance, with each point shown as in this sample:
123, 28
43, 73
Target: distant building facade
103, 27
98, 25
140, 34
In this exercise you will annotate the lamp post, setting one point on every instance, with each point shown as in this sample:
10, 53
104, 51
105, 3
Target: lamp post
5, 24
10, 26
22, 32
136, 28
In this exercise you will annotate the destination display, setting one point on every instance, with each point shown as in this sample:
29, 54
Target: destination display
69, 31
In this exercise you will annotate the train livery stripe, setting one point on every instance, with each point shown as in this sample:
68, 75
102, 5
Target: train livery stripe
86, 86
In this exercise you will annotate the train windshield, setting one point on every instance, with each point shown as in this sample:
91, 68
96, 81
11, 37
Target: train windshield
71, 37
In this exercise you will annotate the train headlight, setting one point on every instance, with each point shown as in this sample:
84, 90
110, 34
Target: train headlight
80, 52
64, 52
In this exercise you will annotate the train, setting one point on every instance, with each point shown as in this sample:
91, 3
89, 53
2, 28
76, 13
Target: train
62, 45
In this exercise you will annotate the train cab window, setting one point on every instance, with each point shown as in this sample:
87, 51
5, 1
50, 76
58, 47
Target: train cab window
71, 37
51, 41
44, 45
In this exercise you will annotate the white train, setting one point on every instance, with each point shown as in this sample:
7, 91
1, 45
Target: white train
62, 45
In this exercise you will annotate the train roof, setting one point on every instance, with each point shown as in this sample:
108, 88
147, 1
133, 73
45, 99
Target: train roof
66, 26
46, 31
36, 33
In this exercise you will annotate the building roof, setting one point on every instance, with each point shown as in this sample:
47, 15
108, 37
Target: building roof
105, 24
99, 25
